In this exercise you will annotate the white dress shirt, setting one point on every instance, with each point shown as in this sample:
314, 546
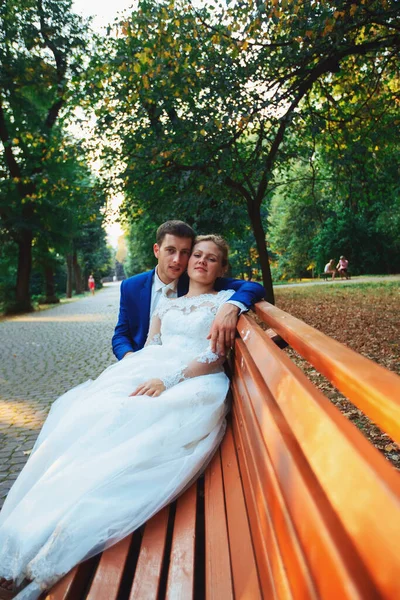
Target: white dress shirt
160, 288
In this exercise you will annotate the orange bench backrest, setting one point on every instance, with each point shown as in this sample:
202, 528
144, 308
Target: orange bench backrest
323, 503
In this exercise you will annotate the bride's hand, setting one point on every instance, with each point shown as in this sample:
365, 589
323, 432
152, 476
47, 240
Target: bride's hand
223, 330
153, 387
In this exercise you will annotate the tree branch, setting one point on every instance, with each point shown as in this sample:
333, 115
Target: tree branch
238, 187
326, 65
12, 165
61, 68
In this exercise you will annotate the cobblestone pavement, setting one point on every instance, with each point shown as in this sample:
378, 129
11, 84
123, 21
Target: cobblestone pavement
42, 355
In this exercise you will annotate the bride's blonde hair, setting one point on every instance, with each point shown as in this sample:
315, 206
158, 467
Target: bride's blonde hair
218, 241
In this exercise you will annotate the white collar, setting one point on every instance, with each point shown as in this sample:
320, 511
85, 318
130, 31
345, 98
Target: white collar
160, 285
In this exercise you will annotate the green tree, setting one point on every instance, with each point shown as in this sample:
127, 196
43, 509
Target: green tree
295, 217
222, 110
41, 45
93, 253
157, 185
342, 197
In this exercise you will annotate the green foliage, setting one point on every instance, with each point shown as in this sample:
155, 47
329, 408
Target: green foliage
94, 254
206, 114
294, 219
41, 48
243, 257
8, 271
44, 257
207, 127
358, 239
140, 239
342, 195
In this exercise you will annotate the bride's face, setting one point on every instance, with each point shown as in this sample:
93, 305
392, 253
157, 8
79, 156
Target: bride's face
205, 263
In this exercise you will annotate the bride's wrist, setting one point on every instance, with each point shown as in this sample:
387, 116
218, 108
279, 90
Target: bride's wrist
170, 380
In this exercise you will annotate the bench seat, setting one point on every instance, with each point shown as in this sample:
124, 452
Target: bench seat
199, 545
296, 503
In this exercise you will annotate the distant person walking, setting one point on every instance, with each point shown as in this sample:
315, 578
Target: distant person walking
91, 284
330, 268
342, 267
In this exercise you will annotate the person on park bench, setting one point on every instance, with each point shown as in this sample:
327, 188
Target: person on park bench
342, 267
330, 268
114, 451
140, 294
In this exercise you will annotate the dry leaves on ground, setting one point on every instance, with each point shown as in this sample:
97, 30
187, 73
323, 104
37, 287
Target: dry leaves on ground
364, 317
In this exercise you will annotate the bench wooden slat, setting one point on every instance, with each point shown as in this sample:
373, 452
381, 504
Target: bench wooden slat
108, 576
244, 570
273, 575
319, 427
280, 559
181, 569
288, 502
148, 569
375, 390
73, 584
62, 589
217, 558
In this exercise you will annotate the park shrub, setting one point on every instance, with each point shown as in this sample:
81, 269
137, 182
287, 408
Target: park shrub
357, 237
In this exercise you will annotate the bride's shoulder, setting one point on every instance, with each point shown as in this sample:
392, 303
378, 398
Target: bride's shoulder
187, 303
210, 298
224, 295
215, 300
164, 305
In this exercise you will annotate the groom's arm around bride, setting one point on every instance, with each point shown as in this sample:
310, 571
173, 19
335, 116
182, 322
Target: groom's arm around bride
140, 294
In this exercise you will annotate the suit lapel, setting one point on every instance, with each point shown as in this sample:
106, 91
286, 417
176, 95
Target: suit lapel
145, 300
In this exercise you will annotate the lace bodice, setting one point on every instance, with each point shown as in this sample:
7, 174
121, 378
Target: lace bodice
186, 322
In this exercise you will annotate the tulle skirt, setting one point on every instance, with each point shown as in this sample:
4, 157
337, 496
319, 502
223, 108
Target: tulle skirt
104, 463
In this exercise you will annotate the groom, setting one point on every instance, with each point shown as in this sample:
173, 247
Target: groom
141, 293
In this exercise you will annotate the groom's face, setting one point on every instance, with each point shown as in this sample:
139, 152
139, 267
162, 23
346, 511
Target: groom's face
173, 256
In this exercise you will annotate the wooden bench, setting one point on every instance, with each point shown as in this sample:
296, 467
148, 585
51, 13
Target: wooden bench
296, 503
326, 276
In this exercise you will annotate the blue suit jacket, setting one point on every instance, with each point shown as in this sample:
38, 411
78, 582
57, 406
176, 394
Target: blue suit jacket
134, 311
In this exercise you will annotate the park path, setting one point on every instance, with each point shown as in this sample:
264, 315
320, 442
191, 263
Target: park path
42, 355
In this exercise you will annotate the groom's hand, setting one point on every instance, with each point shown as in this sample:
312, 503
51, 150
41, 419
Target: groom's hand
223, 330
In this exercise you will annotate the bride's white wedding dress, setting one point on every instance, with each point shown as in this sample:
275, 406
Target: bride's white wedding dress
105, 462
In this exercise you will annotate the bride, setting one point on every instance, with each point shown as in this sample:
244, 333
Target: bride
114, 451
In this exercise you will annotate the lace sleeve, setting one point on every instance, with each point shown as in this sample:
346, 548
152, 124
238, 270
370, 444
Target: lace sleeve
154, 335
162, 307
206, 363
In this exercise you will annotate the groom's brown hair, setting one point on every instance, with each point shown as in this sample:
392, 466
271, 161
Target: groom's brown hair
178, 228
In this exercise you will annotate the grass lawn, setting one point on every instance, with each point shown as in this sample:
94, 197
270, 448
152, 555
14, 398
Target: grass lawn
364, 317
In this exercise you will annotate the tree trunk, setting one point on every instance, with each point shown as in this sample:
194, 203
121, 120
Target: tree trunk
69, 275
22, 294
259, 234
51, 297
77, 274
250, 268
